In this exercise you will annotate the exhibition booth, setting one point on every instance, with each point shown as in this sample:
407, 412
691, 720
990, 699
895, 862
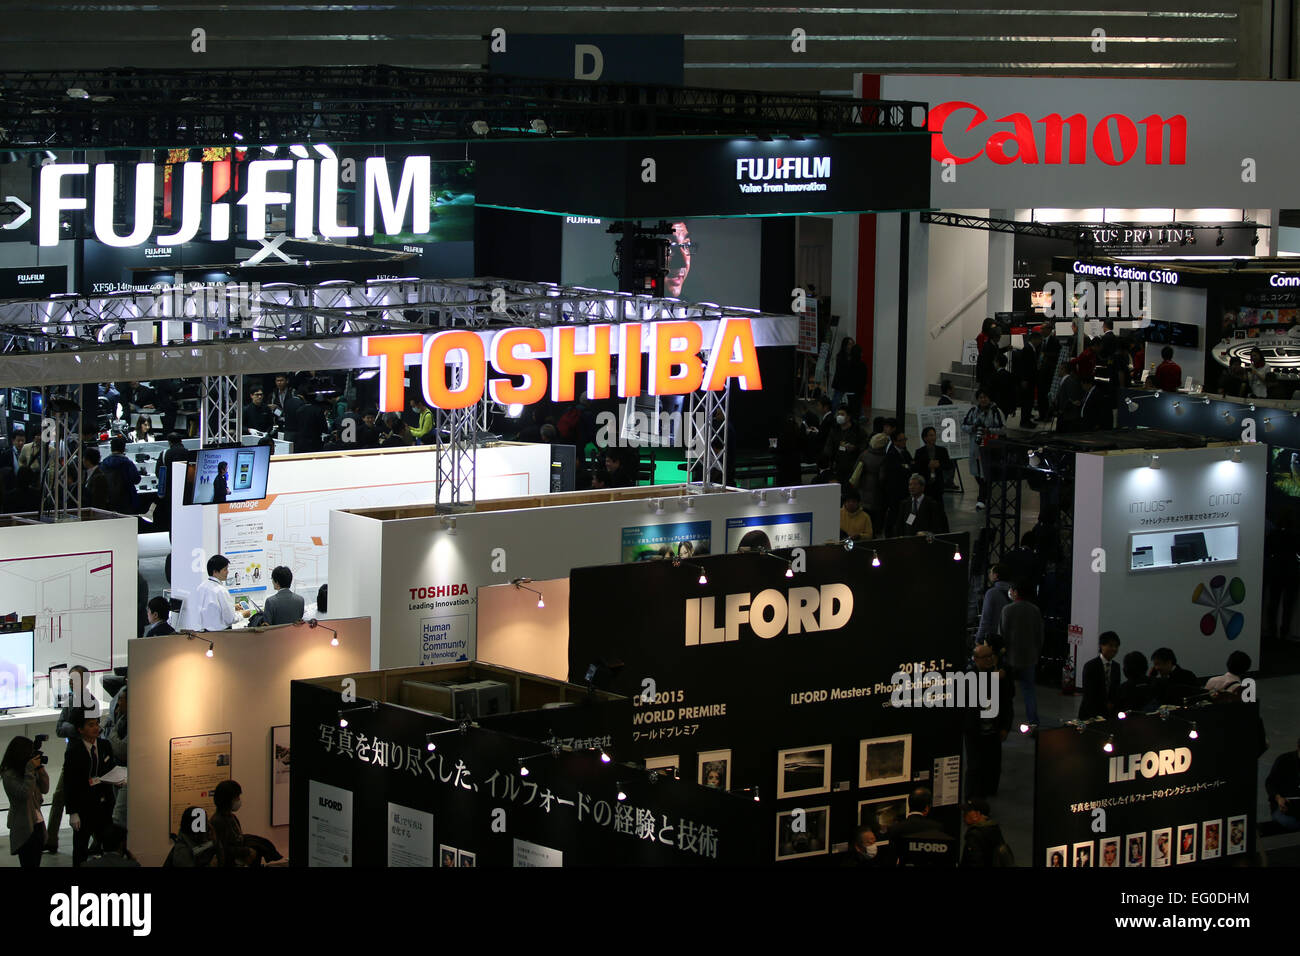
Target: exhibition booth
417, 571
1168, 789
198, 719
473, 765
290, 526
783, 675
1168, 551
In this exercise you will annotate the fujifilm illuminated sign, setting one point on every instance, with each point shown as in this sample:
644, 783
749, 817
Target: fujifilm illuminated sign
313, 186
756, 174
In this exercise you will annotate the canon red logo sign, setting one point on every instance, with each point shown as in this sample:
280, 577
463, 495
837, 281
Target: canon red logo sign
1115, 138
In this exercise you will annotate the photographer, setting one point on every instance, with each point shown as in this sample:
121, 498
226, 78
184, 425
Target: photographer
25, 783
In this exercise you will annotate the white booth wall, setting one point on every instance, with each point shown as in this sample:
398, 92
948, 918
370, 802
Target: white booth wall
79, 580
243, 690
391, 560
1155, 607
291, 526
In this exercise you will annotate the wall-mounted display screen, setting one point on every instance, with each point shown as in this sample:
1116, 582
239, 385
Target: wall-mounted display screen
229, 474
17, 666
18, 399
1171, 549
1173, 333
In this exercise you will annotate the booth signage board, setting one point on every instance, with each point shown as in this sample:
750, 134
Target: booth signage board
670, 178
567, 805
817, 730
675, 368
33, 282
1196, 798
946, 420
1058, 142
641, 58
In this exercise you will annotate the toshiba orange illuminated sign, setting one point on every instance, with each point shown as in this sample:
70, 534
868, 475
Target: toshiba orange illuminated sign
550, 364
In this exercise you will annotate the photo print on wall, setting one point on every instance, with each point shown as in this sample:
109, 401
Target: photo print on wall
803, 770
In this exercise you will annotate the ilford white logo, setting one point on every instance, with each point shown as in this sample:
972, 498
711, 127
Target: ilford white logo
1150, 764
769, 613
933, 689
314, 195
103, 910
756, 174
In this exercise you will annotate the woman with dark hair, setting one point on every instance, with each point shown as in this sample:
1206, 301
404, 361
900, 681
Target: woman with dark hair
143, 430
227, 834
192, 845
25, 783
1136, 693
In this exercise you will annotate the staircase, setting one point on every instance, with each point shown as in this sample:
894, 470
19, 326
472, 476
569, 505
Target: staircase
963, 383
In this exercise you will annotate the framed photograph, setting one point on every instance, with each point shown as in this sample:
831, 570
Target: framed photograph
673, 763
1136, 850
885, 760
466, 858
1057, 856
882, 816
1187, 843
715, 769
1162, 850
1236, 835
803, 770
1211, 839
1109, 853
279, 775
1083, 853
812, 837
446, 855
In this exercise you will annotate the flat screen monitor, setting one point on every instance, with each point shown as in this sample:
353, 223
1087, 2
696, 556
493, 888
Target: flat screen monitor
18, 400
17, 669
229, 474
1191, 544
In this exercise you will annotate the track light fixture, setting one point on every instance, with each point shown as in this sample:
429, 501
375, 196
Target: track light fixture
334, 639
790, 496
1155, 462
1227, 416
520, 585
688, 504
760, 498
1109, 745
449, 524
480, 128
1178, 408
190, 635
1192, 732
956, 548
373, 706
875, 558
1236, 455
622, 794
789, 564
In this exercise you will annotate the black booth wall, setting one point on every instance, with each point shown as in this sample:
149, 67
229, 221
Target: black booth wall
764, 695
1073, 781
481, 803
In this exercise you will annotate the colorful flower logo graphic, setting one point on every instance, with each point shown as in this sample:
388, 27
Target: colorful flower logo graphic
1220, 596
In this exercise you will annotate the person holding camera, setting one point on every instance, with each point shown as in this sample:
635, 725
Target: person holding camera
26, 782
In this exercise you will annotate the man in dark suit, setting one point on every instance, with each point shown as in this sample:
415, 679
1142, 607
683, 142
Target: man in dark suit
1101, 680
932, 463
896, 468
1171, 684
158, 611
257, 414
1095, 412
917, 513
1025, 368
283, 607
12, 456
88, 802
920, 841
95, 492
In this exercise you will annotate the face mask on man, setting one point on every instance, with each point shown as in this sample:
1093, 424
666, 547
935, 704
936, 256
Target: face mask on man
841, 419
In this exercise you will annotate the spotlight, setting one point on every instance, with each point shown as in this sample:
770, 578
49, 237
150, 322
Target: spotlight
848, 544
239, 137
703, 578
657, 506
604, 757
449, 524
790, 496
1178, 408
1268, 424
540, 603
956, 554
429, 744
621, 794
1109, 745
1131, 405
1155, 462
479, 127
1236, 455
523, 769
208, 652
77, 93
1122, 715
875, 559
760, 498
334, 641
756, 794
343, 721
1192, 734
514, 410
689, 507
789, 572
538, 125
1025, 728
1227, 416
519, 586
1251, 406
1206, 400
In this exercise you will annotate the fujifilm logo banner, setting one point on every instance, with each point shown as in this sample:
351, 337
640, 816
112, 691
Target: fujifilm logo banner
796, 174
311, 185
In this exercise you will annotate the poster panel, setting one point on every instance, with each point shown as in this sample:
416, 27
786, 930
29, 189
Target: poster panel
197, 765
532, 854
329, 833
410, 837
938, 417
770, 531
280, 776
666, 541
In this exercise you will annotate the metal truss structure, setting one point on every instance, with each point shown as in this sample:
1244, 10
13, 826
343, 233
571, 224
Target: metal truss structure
1043, 230
221, 410
60, 478
239, 329
377, 104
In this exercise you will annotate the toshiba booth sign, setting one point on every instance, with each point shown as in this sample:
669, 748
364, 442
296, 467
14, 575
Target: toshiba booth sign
1010, 142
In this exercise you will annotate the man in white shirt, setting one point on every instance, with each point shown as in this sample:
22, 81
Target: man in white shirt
1238, 665
213, 610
